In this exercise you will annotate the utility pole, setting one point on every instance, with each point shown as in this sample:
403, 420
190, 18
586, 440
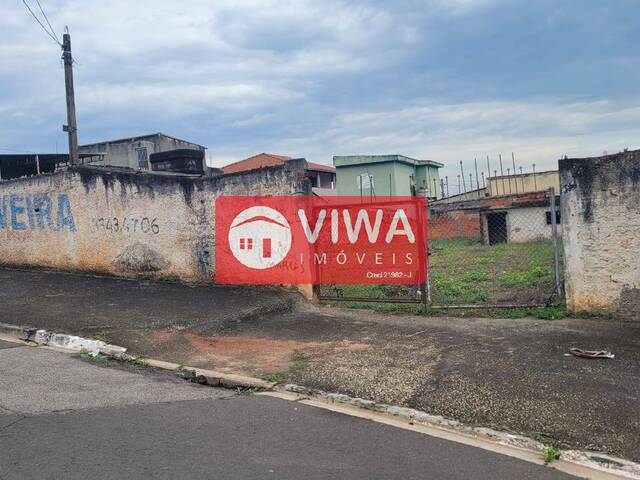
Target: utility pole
71, 127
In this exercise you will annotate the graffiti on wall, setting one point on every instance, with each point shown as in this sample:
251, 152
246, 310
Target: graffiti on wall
40, 211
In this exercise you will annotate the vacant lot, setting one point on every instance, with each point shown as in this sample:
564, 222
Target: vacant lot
510, 374
466, 271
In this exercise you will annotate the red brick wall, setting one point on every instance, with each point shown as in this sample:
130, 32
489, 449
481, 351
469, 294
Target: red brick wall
455, 224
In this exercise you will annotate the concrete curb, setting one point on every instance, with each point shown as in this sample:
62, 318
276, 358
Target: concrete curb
21, 333
76, 344
213, 377
61, 340
596, 461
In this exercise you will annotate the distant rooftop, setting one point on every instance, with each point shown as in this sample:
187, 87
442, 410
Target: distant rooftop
138, 138
347, 160
263, 159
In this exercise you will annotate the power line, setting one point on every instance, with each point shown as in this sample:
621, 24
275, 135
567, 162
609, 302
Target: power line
52, 35
47, 20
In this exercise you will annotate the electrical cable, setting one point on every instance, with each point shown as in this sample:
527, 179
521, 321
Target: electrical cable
53, 37
47, 20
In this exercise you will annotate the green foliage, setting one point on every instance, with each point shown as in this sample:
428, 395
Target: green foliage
531, 276
465, 271
108, 361
550, 454
300, 361
101, 335
277, 377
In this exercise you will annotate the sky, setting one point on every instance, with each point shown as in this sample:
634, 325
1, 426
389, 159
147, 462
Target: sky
445, 80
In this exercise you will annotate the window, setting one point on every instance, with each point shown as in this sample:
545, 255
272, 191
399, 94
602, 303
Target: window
246, 243
548, 214
143, 158
365, 180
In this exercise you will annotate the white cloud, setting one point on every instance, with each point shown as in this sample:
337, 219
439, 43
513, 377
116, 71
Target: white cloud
302, 77
538, 132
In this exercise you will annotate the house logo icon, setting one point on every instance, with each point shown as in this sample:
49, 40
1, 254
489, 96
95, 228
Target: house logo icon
260, 237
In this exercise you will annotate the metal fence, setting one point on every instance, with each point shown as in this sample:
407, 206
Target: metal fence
498, 252
384, 293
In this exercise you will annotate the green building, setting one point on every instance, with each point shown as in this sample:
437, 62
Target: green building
386, 175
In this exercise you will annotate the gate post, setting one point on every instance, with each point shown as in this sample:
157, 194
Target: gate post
554, 241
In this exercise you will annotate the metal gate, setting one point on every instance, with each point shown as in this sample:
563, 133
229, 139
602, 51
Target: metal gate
381, 293
503, 252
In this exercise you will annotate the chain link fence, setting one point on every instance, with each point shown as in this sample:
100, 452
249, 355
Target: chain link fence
491, 252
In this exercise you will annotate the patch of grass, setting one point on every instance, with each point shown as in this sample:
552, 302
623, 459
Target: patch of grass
277, 377
552, 312
299, 361
108, 361
465, 271
101, 335
550, 454
551, 449
546, 440
247, 391
531, 276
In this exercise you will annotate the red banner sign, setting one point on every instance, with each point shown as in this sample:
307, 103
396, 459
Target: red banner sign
321, 240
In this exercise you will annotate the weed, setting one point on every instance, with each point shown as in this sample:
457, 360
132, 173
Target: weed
299, 361
247, 390
550, 454
277, 377
465, 271
546, 440
108, 361
102, 335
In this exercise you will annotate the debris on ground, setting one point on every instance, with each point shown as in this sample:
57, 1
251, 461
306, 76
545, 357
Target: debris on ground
578, 352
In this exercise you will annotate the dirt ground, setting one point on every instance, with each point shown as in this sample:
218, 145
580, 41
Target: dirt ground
509, 374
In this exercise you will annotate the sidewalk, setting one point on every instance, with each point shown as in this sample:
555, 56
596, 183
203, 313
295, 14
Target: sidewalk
503, 373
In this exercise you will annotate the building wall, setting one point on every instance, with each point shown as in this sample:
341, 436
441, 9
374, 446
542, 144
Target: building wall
454, 224
347, 180
390, 178
123, 223
464, 197
529, 224
402, 179
523, 224
123, 153
510, 184
425, 176
601, 217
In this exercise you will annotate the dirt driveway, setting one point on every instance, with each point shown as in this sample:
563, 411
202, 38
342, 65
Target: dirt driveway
509, 374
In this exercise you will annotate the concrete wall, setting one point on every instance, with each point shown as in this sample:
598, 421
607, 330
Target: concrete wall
601, 218
528, 182
122, 153
529, 224
123, 223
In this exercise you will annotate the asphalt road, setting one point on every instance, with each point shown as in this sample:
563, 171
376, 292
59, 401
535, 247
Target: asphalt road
61, 417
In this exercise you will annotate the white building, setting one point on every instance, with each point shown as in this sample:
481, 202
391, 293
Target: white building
134, 152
